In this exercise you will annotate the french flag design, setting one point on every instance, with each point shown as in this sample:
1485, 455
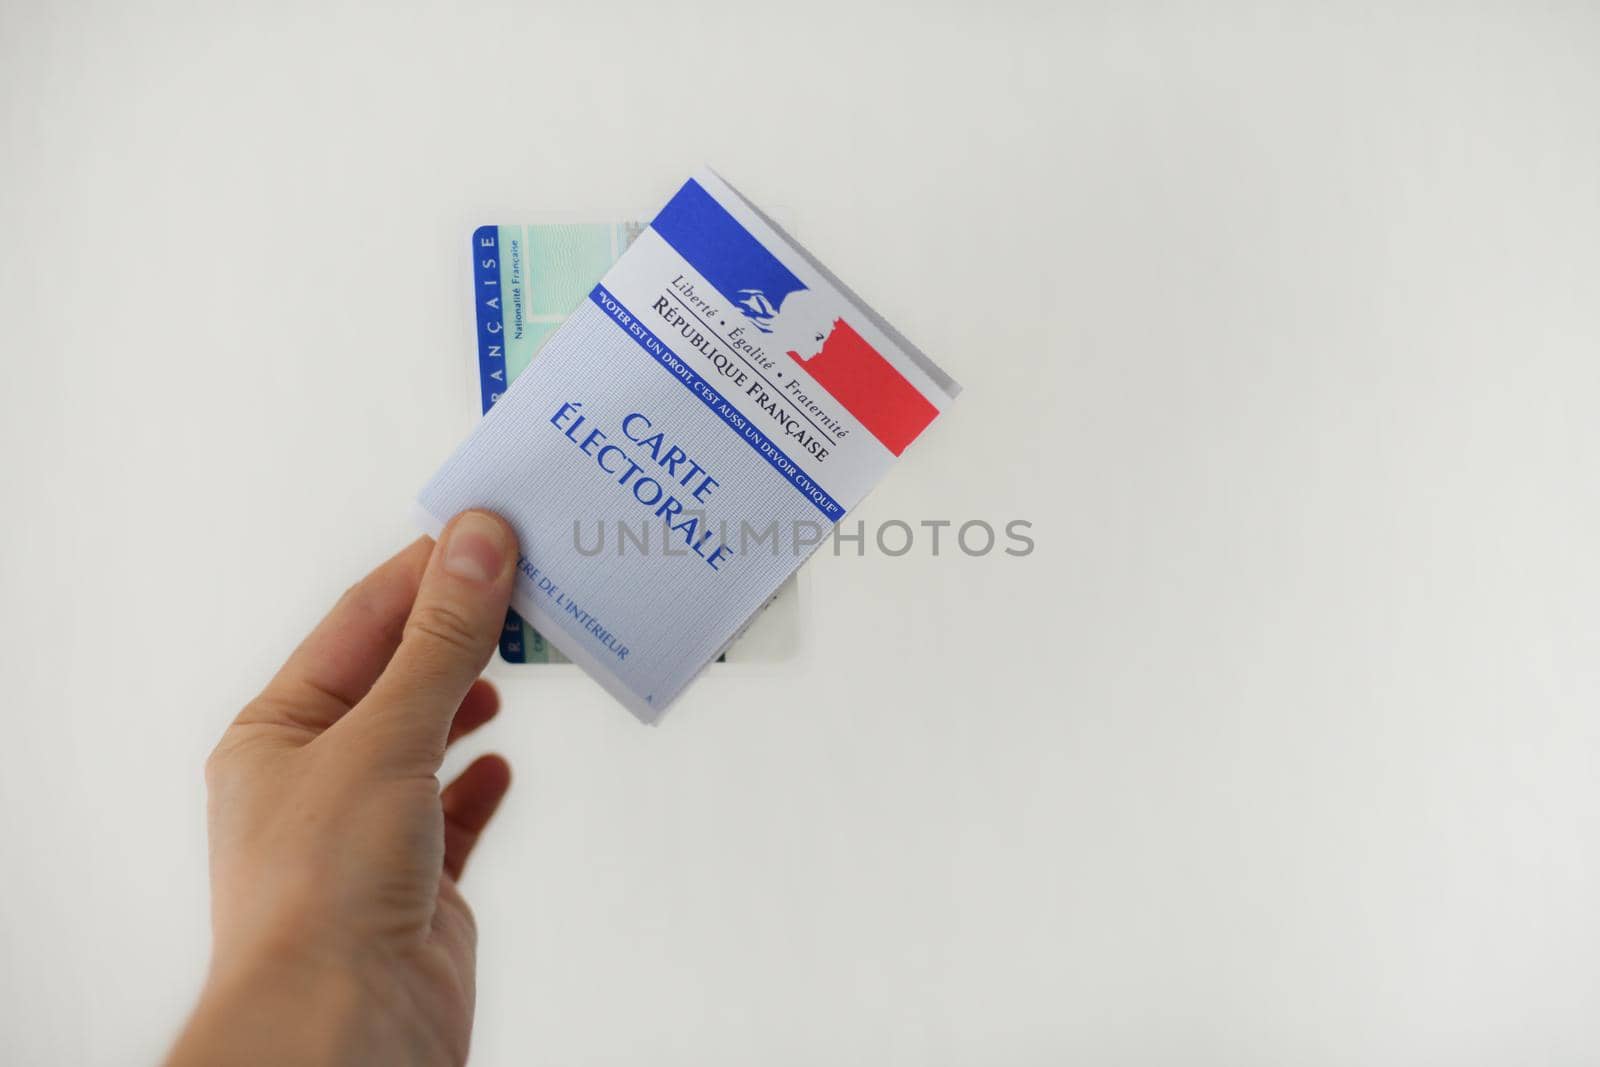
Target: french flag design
853, 372
774, 301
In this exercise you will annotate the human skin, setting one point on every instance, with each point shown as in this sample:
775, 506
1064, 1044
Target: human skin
339, 936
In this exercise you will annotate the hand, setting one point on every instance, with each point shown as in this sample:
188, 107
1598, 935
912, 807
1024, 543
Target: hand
339, 935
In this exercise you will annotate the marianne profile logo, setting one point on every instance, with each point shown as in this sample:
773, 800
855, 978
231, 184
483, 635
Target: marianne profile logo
777, 303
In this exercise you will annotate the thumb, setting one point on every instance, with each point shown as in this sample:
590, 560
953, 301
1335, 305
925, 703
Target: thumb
449, 636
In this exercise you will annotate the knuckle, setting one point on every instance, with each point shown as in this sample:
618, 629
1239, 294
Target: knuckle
362, 599
354, 592
219, 763
459, 916
356, 595
214, 768
446, 626
367, 604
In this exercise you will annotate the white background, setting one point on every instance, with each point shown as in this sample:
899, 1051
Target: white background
1279, 324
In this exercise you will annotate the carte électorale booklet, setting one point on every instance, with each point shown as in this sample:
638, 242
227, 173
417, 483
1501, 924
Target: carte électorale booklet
680, 446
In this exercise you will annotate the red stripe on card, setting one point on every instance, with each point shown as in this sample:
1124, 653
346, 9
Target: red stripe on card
869, 387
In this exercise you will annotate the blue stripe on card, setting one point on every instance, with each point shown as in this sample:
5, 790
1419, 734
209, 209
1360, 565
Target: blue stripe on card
486, 295
721, 407
726, 254
492, 375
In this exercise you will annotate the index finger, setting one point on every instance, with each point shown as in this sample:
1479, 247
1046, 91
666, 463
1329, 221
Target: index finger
335, 666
